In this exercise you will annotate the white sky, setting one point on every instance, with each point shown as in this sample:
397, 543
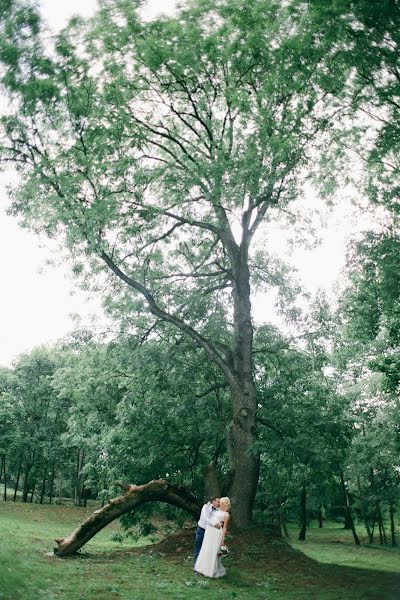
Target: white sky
36, 300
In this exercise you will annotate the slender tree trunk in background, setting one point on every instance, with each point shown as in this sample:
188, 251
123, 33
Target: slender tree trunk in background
392, 526
43, 489
79, 477
382, 533
51, 484
347, 520
3, 470
33, 491
104, 487
281, 502
72, 483
373, 527
303, 513
282, 523
76, 479
25, 489
17, 481
363, 512
5, 480
77, 497
321, 516
60, 489
348, 511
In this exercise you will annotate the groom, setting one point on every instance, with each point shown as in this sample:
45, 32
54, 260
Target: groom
205, 516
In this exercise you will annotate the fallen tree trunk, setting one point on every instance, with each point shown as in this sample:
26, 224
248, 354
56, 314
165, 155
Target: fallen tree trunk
155, 491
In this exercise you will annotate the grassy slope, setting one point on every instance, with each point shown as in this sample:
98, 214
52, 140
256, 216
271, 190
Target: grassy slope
258, 567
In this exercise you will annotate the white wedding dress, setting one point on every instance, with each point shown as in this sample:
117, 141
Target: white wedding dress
208, 562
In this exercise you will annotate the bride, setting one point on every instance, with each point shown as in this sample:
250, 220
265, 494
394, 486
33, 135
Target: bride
209, 561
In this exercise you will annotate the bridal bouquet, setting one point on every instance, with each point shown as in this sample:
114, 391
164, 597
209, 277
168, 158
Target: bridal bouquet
223, 551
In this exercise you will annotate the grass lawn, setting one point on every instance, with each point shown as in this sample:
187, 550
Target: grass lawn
259, 566
333, 544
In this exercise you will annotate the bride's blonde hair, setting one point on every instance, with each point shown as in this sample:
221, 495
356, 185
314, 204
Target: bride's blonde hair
226, 502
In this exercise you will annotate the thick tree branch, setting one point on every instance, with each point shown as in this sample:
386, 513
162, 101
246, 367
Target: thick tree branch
270, 426
156, 310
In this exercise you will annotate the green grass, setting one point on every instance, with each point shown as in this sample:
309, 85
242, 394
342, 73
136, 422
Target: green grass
258, 568
334, 545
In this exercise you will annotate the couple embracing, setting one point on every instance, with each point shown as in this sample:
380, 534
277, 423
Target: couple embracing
210, 537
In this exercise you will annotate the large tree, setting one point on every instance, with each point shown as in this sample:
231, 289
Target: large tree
157, 150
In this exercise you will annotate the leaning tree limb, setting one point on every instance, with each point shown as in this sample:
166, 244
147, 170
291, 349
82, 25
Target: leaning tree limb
158, 490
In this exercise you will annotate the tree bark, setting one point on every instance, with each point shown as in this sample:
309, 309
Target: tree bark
17, 480
348, 511
321, 516
392, 526
135, 495
51, 484
3, 469
25, 489
43, 488
382, 532
363, 512
303, 514
211, 483
33, 491
381, 529
60, 483
245, 461
282, 519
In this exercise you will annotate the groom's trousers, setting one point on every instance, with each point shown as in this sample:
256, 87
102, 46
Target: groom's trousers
199, 541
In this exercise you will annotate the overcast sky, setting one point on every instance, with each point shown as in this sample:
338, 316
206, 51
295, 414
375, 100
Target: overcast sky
37, 301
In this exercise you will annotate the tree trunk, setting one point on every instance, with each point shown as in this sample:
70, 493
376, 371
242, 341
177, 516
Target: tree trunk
382, 533
348, 511
43, 489
348, 519
60, 489
33, 491
241, 434
3, 469
321, 516
303, 514
211, 483
245, 463
135, 495
79, 482
25, 489
51, 484
392, 526
104, 487
282, 520
17, 481
363, 512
